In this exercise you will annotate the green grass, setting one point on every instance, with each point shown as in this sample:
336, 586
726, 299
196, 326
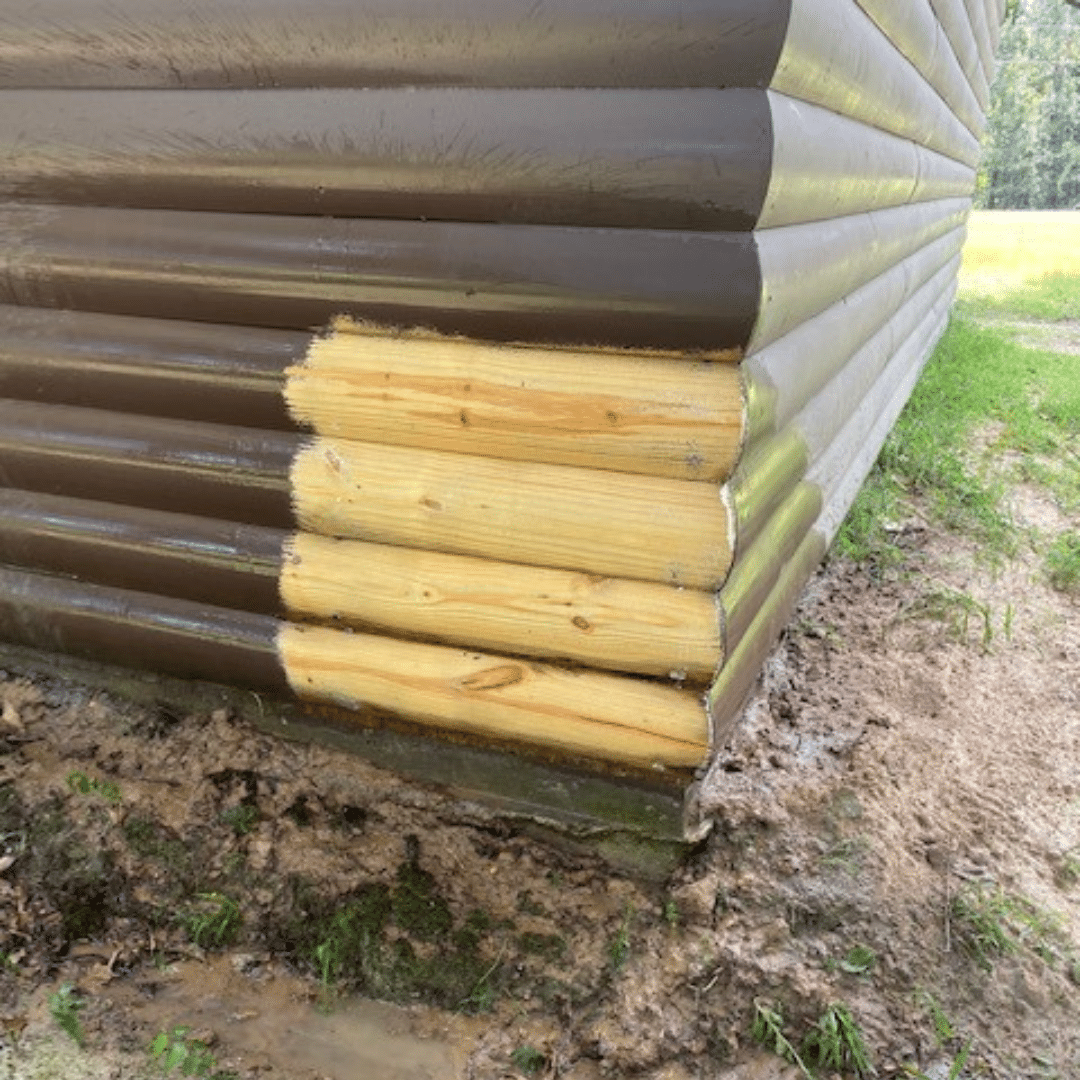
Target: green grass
213, 921
980, 386
990, 924
1063, 563
1050, 298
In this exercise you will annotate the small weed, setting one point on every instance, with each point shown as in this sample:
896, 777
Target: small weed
943, 1027
991, 923
768, 1030
214, 922
671, 914
859, 960
528, 1059
1068, 872
241, 818
64, 1007
546, 946
619, 950
846, 855
82, 784
957, 611
836, 1042
172, 1051
981, 918
1063, 564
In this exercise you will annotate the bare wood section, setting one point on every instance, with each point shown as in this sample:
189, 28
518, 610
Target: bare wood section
646, 413
602, 622
733, 684
835, 56
613, 524
756, 570
583, 714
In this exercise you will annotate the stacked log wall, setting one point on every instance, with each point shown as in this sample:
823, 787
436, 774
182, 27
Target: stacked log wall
505, 370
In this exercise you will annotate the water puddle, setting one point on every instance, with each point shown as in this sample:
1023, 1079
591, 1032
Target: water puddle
269, 1018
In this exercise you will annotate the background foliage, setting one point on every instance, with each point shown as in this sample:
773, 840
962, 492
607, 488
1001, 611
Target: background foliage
1032, 149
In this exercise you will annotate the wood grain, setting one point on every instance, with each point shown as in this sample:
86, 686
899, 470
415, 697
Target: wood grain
647, 413
582, 714
606, 523
602, 622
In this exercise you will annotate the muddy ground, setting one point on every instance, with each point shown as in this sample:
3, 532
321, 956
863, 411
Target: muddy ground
897, 838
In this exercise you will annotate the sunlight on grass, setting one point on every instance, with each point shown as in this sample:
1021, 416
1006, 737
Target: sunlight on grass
1016, 399
1007, 250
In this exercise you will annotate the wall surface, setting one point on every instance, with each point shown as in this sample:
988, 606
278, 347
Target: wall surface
499, 368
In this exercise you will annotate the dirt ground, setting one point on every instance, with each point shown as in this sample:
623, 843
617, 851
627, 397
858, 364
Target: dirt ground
898, 836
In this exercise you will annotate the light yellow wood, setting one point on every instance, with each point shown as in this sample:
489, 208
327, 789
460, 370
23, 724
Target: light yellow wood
609, 623
607, 523
581, 714
631, 412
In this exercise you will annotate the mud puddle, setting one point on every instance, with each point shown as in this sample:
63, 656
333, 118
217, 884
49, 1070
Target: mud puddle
270, 1019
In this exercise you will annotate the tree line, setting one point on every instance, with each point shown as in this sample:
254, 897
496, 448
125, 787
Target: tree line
1031, 156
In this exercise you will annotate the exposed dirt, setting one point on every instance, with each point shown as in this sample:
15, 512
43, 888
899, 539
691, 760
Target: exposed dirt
898, 832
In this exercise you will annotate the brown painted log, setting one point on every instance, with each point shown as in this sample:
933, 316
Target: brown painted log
640, 159
177, 555
235, 43
154, 367
174, 637
621, 287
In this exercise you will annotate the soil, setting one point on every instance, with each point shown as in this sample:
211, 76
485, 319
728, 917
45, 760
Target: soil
897, 839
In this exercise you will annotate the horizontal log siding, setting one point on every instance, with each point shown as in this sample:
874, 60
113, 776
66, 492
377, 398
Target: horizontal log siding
914, 30
644, 413
154, 367
836, 57
827, 166
794, 368
620, 287
954, 20
234, 44
639, 159
192, 429
808, 268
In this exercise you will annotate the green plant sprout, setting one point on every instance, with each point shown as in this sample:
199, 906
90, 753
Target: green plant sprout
215, 922
82, 784
64, 1007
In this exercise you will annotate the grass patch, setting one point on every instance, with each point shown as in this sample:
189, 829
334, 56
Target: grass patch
991, 924
1063, 563
978, 381
402, 942
1050, 297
